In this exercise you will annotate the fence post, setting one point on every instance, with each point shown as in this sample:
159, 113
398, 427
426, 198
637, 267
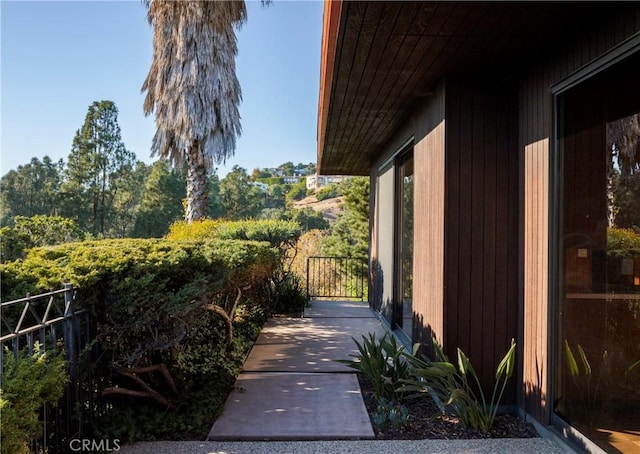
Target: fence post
68, 331
308, 293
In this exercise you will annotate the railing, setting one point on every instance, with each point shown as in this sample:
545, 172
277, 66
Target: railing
51, 320
336, 277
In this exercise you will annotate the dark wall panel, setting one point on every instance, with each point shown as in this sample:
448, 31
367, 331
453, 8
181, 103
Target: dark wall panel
481, 237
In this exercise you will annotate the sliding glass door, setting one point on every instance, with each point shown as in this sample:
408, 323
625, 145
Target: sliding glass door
597, 379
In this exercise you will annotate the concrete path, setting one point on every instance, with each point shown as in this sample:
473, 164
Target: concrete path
292, 388
292, 397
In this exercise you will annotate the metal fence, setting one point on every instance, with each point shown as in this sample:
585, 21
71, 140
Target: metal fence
51, 320
337, 277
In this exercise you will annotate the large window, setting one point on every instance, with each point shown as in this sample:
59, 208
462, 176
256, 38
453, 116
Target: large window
598, 320
404, 245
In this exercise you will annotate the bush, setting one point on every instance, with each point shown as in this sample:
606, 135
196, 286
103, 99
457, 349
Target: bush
278, 233
297, 192
27, 384
287, 294
198, 230
330, 191
157, 309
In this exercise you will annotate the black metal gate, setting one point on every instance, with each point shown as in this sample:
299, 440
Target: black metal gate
337, 277
51, 320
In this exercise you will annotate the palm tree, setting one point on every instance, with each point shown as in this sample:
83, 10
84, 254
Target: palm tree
193, 89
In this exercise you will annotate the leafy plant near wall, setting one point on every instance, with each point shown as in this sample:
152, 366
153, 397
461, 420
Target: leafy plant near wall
381, 361
27, 384
459, 389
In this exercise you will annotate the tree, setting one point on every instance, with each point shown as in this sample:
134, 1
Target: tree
215, 209
308, 218
287, 168
240, 199
98, 160
275, 196
193, 89
350, 234
128, 199
31, 189
38, 230
298, 191
161, 205
311, 168
258, 173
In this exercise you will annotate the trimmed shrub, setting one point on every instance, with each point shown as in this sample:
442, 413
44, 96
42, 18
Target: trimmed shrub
163, 349
198, 230
284, 292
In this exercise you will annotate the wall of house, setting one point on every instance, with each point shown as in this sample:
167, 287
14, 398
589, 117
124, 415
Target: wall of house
482, 212
481, 222
465, 287
536, 151
426, 127
429, 220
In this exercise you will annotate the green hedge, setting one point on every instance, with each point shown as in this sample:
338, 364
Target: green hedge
148, 304
112, 269
279, 233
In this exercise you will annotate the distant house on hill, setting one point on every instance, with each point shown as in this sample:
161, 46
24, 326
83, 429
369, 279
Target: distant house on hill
290, 180
318, 181
263, 186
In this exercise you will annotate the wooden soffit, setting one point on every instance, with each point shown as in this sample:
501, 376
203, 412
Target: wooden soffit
379, 59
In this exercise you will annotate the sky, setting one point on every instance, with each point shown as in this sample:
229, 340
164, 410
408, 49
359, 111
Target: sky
58, 57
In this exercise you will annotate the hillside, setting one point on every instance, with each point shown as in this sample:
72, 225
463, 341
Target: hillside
330, 208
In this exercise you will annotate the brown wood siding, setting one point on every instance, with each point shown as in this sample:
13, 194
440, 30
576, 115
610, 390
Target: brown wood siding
536, 145
481, 236
429, 195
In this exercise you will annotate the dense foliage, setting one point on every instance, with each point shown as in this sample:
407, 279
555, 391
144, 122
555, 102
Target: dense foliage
37, 230
350, 234
27, 384
160, 310
146, 200
623, 243
285, 290
330, 191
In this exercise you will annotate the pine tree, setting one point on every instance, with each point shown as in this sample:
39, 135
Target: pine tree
97, 160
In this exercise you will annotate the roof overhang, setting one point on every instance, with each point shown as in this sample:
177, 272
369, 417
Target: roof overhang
380, 59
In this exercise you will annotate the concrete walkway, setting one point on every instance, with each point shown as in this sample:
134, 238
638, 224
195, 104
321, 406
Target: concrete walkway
292, 397
292, 388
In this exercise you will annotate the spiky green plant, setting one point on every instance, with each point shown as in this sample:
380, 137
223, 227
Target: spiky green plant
459, 389
381, 361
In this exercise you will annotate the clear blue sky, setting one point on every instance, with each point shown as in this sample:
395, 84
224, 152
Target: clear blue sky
58, 57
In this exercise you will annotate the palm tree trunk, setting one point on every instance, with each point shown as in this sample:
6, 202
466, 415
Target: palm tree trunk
196, 186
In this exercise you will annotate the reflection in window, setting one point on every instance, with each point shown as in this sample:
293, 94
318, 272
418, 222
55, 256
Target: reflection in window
405, 246
598, 344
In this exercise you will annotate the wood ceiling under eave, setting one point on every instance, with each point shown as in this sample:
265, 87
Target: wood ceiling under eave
390, 55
